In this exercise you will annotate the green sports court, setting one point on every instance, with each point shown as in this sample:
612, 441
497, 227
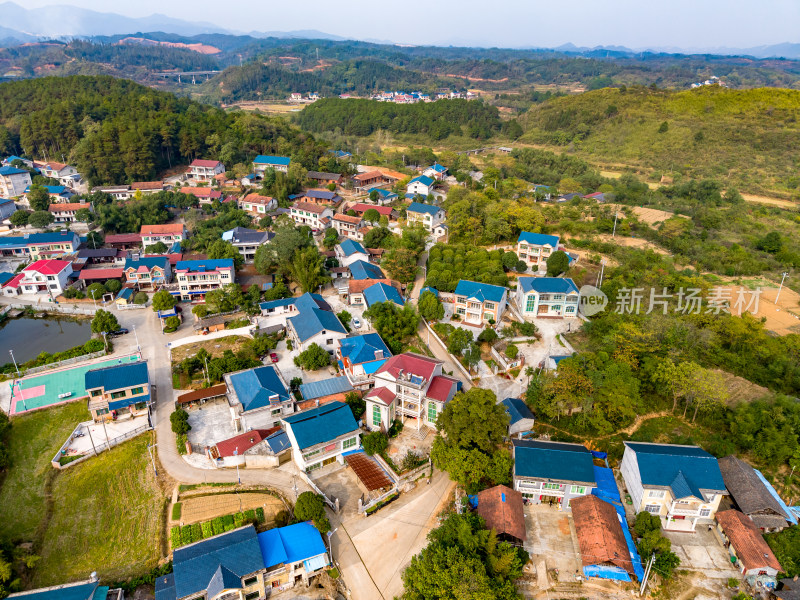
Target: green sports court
56, 387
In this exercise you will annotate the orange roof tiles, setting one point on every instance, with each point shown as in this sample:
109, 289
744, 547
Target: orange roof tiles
600, 534
501, 508
746, 539
166, 228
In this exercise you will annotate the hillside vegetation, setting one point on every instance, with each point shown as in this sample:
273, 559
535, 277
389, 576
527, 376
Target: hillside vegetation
746, 138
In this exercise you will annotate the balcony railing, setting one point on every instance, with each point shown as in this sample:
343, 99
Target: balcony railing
685, 512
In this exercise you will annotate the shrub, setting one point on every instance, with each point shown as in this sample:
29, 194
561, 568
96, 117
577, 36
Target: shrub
217, 525
208, 530
260, 515
176, 511
180, 442
282, 519
488, 335
180, 421
396, 428
140, 298
315, 357
375, 442
512, 351
175, 536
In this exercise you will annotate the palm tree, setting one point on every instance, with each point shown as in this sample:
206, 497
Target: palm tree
529, 371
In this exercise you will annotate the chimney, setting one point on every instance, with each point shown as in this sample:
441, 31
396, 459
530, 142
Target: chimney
93, 576
378, 354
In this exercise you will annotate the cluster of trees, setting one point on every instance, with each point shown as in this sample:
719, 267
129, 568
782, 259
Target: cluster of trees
651, 541
464, 560
313, 358
117, 131
292, 254
154, 57
311, 507
436, 120
470, 449
395, 325
247, 358
449, 263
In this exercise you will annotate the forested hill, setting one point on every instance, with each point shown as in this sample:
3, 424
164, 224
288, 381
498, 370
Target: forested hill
116, 131
437, 120
749, 138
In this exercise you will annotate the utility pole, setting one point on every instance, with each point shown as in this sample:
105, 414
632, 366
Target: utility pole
614, 232
780, 289
294, 485
138, 347
647, 573
152, 457
236, 454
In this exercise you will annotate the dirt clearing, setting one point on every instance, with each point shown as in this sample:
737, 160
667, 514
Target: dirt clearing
215, 347
195, 510
771, 201
782, 318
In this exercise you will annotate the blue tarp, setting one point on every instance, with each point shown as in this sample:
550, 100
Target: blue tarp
607, 490
792, 516
598, 454
473, 501
606, 572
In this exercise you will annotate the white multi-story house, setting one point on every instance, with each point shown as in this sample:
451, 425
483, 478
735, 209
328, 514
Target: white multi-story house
477, 303
45, 275
349, 227
65, 174
350, 251
168, 233
197, 277
314, 323
258, 205
427, 215
435, 171
552, 472
321, 435
408, 386
258, 398
13, 181
554, 297
359, 356
205, 170
420, 186
680, 484
313, 215
65, 213
535, 248
278, 163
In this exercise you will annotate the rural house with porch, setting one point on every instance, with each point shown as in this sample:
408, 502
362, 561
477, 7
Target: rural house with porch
118, 390
321, 436
477, 303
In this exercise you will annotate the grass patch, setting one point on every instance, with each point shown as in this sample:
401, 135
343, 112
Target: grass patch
33, 442
193, 486
65, 460
176, 511
334, 573
106, 517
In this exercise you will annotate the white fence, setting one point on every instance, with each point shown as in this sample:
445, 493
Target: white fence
71, 309
65, 362
97, 448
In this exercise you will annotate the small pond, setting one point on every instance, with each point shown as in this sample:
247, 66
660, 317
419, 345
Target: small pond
30, 336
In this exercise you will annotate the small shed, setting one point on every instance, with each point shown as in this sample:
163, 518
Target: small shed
521, 417
747, 546
604, 551
501, 508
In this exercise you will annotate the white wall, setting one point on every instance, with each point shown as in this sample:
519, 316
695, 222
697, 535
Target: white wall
629, 469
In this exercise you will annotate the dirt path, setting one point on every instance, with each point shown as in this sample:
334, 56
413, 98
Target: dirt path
769, 200
629, 430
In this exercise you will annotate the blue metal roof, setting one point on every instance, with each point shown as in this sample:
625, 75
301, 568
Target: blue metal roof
340, 153
381, 292
480, 291
321, 424
312, 319
255, 387
517, 410
165, 587
291, 544
419, 207
553, 460
198, 266
128, 401
147, 262
423, 179
9, 170
51, 189
124, 294
278, 442
277, 303
223, 579
350, 247
361, 269
384, 194
325, 387
4, 276
48, 237
263, 159
117, 377
538, 239
548, 285
686, 470
77, 591
361, 349
195, 566
437, 167
432, 290
321, 194
772, 492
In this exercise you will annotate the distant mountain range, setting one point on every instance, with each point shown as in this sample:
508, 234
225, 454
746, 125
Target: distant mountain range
64, 21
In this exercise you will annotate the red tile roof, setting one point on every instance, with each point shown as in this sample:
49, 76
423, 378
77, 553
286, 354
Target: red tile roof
166, 228
258, 199
201, 192
123, 238
244, 441
600, 534
501, 508
368, 175
347, 219
66, 206
204, 163
309, 207
147, 185
381, 394
14, 281
440, 388
356, 286
361, 208
414, 364
746, 539
49, 266
100, 274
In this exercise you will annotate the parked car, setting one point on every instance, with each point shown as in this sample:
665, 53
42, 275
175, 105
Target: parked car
356, 324
118, 332
273, 357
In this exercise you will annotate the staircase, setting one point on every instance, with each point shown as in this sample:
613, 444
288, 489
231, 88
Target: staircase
422, 433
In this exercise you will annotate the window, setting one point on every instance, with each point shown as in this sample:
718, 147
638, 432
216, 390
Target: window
97, 393
461, 311
558, 296
250, 581
102, 411
555, 307
431, 412
137, 390
140, 405
705, 512
276, 411
656, 493
252, 595
578, 489
376, 415
115, 395
349, 443
570, 309
551, 486
653, 509
530, 304
489, 305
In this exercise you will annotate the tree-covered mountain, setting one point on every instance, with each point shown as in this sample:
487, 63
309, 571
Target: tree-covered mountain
117, 131
749, 138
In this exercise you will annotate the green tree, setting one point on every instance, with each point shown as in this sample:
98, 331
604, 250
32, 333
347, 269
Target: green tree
512, 351
313, 358
104, 321
40, 219
96, 291
223, 249
771, 243
163, 300
38, 198
140, 298
311, 507
375, 442
157, 248
458, 423
113, 286
20, 218
392, 323
371, 215
430, 307
179, 420
510, 260
356, 404
84, 215
373, 196
557, 263
171, 323
664, 127
459, 341
331, 238
345, 317
277, 291
307, 269
488, 335
400, 264
278, 254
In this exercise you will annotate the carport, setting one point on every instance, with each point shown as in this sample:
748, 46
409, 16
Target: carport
370, 475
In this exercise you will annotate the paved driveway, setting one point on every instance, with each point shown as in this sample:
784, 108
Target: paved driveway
702, 551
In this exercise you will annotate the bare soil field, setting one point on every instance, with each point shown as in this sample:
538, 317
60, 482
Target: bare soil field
740, 389
632, 243
215, 347
768, 200
782, 318
195, 510
651, 216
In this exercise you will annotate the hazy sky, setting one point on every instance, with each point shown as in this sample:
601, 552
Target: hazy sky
507, 23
